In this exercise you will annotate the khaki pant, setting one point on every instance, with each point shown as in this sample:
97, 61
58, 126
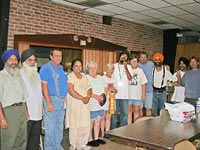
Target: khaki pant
78, 137
15, 136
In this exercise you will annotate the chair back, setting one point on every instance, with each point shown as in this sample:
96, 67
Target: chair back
139, 119
184, 145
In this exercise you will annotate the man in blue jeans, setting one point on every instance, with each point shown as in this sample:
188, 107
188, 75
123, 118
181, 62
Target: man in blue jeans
54, 89
122, 76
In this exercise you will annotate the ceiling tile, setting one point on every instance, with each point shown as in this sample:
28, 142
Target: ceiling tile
154, 13
131, 5
195, 28
189, 17
153, 3
197, 22
173, 11
185, 24
99, 12
69, 4
113, 9
178, 2
110, 1
191, 33
137, 16
137, 21
170, 26
172, 19
193, 8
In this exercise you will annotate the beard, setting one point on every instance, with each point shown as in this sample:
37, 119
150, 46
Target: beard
13, 69
31, 73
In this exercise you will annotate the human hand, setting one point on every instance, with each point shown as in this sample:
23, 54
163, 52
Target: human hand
3, 124
50, 107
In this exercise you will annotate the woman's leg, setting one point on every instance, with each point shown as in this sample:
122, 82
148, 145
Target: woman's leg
108, 120
103, 121
96, 128
91, 128
130, 112
136, 111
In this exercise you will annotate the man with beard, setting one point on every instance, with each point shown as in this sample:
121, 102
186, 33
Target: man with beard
34, 101
13, 112
191, 82
160, 77
122, 76
54, 89
179, 91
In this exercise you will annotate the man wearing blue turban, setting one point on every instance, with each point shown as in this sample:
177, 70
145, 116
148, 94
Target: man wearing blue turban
13, 112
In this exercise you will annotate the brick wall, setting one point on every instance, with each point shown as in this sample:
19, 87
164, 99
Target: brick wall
43, 17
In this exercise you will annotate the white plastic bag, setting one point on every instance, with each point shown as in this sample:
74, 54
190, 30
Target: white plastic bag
181, 112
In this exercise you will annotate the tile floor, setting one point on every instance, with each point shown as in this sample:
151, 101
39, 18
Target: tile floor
110, 145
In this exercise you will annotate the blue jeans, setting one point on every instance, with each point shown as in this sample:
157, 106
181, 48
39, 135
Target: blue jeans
159, 98
53, 124
122, 108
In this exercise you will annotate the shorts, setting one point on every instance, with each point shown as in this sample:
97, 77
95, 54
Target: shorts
149, 99
135, 102
96, 114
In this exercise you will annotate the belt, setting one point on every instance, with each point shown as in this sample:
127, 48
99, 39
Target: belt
17, 104
159, 89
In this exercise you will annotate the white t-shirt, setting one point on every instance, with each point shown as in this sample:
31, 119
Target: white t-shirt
158, 78
122, 81
109, 81
174, 78
179, 91
135, 85
34, 100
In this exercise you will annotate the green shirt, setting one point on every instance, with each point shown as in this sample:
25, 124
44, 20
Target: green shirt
12, 89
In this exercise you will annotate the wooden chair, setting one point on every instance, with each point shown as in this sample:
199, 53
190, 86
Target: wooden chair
184, 145
164, 112
139, 119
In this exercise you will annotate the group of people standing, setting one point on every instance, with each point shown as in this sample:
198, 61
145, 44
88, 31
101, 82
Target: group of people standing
27, 97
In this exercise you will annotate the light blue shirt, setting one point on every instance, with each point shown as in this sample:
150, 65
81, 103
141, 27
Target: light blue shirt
47, 75
148, 68
192, 84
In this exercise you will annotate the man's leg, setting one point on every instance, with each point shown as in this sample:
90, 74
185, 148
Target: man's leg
155, 104
123, 112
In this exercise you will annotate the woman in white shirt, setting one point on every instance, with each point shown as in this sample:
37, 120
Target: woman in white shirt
137, 89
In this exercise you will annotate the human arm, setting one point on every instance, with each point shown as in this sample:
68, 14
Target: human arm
46, 95
76, 95
26, 110
3, 121
144, 92
127, 71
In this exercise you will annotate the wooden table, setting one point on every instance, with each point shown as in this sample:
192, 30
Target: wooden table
158, 133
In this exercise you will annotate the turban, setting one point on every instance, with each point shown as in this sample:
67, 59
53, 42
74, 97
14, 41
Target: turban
26, 54
7, 53
184, 60
124, 52
158, 55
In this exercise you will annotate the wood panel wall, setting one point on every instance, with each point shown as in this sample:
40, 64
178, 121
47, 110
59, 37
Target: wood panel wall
187, 50
100, 57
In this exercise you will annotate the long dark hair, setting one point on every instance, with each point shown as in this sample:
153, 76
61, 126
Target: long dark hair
74, 61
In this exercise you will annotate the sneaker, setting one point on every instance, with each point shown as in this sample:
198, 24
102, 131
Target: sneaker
100, 141
84, 148
93, 143
72, 148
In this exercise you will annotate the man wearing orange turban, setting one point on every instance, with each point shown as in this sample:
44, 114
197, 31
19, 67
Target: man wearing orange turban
160, 77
